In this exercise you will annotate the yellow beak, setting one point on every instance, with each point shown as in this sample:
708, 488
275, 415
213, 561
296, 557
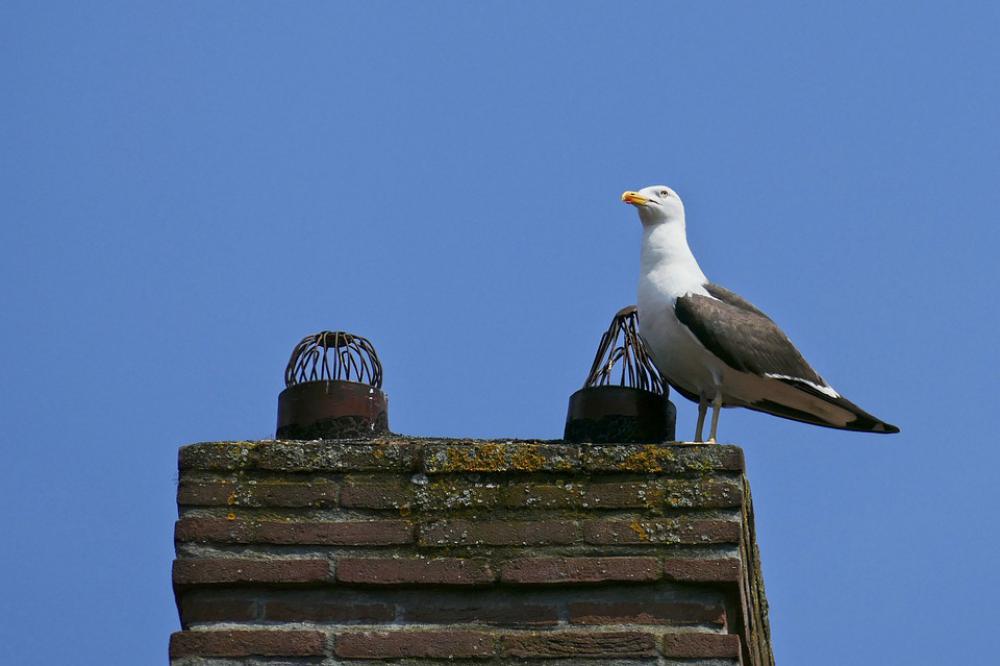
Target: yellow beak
634, 198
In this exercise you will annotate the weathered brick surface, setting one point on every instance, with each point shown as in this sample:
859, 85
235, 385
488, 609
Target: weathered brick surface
341, 611
654, 458
247, 643
419, 644
195, 608
579, 645
257, 494
217, 456
498, 533
645, 612
542, 495
213, 529
691, 645
206, 493
702, 493
472, 456
322, 456
412, 571
655, 494
485, 612
688, 570
661, 531
407, 550
580, 570
621, 495
377, 492
209, 571
346, 533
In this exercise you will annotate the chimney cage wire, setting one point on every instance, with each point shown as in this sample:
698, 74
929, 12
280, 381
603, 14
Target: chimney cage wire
622, 355
334, 356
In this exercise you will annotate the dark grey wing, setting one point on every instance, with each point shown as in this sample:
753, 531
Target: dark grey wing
746, 339
741, 335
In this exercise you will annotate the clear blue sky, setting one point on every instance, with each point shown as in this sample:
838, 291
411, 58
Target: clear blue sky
187, 188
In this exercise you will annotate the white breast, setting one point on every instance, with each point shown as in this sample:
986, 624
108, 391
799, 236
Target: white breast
668, 271
675, 350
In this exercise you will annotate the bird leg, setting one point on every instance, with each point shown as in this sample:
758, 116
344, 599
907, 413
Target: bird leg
702, 410
716, 408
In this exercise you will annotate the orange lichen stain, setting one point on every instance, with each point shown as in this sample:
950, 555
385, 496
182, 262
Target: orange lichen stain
654, 497
232, 499
476, 458
230, 516
638, 528
647, 459
527, 459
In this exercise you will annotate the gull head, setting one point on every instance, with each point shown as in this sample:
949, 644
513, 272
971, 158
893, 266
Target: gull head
657, 204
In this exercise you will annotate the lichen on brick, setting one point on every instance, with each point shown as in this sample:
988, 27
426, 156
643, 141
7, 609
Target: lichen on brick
218, 455
496, 457
449, 493
473, 458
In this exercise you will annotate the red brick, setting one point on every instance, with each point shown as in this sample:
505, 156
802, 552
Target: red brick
488, 612
202, 608
205, 493
702, 570
660, 531
317, 493
702, 493
645, 612
369, 493
542, 495
213, 529
311, 493
232, 570
250, 643
597, 495
328, 610
393, 571
348, 533
498, 533
417, 644
361, 533
621, 495
690, 645
574, 570
451, 493
598, 645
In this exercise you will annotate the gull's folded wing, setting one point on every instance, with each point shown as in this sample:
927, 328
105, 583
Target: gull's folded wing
746, 339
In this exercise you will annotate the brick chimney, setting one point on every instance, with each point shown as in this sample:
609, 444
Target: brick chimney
426, 551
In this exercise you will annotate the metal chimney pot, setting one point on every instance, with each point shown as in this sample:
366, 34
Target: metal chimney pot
333, 390
625, 398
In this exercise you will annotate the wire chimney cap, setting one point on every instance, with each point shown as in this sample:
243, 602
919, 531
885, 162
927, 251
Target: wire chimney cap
334, 356
622, 359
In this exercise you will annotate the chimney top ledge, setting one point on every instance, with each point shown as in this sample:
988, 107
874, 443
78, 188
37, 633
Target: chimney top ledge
442, 456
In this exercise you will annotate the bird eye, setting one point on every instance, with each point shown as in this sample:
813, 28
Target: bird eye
664, 193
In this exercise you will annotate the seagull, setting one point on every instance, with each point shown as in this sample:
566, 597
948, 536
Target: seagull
715, 347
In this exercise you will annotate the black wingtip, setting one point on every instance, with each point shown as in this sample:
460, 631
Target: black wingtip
866, 423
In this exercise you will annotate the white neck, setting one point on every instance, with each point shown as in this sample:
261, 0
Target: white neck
667, 261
